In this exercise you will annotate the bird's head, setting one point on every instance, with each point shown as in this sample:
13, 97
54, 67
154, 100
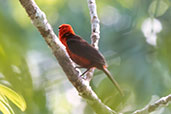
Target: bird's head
65, 28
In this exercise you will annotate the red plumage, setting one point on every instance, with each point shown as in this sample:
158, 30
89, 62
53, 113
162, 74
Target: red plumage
82, 53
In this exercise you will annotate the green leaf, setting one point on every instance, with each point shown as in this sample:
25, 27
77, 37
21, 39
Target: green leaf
13, 96
4, 106
3, 98
158, 8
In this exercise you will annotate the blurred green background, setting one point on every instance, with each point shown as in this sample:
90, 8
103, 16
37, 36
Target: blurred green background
135, 39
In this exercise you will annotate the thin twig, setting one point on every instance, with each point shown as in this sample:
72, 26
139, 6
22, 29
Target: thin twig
38, 18
164, 101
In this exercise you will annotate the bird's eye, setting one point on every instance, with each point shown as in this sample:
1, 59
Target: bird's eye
59, 28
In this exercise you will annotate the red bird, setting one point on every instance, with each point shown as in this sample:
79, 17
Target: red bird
82, 53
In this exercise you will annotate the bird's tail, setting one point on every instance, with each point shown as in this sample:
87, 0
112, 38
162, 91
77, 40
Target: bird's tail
106, 71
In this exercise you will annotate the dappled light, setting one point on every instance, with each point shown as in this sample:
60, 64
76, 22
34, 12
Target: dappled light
151, 27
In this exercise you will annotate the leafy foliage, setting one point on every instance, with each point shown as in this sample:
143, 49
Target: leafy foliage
12, 96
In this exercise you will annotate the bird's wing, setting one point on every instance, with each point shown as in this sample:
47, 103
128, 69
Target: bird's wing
81, 48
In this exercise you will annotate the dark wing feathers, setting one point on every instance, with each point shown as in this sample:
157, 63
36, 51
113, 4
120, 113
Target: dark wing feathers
80, 47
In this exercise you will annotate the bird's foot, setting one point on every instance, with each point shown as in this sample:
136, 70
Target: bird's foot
82, 75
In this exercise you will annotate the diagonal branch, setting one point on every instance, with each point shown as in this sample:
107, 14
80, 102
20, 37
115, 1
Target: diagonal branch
164, 101
39, 20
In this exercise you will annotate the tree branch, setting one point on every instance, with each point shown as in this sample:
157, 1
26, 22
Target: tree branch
164, 101
39, 20
95, 31
95, 23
